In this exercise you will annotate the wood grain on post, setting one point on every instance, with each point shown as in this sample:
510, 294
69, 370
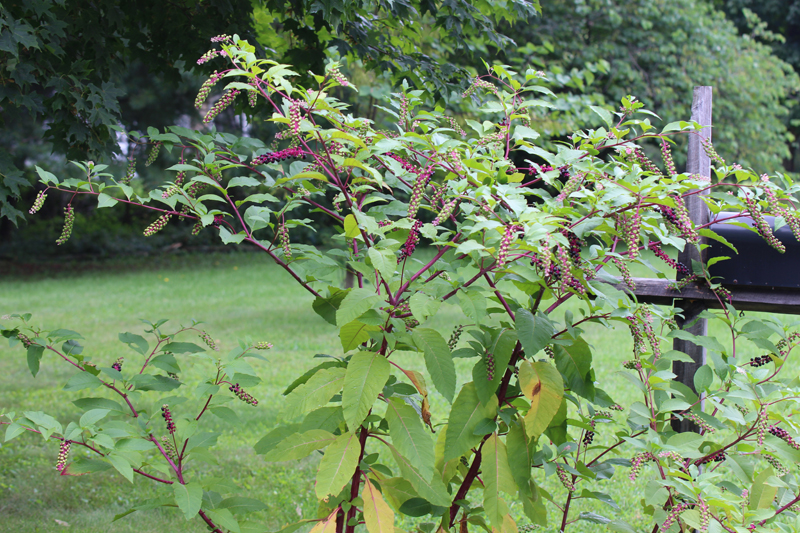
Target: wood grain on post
698, 163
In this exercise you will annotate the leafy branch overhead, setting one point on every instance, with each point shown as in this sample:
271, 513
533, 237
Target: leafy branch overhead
476, 216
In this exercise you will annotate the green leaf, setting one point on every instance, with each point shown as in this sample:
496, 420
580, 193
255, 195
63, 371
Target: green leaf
92, 416
409, 436
327, 307
703, 378
224, 518
465, 415
423, 306
496, 477
122, 465
271, 440
356, 303
708, 342
355, 334
501, 351
542, 385
240, 504
104, 200
351, 230
14, 430
183, 347
35, 352
202, 440
432, 490
227, 237
310, 372
384, 262
134, 342
366, 375
762, 494
473, 303
519, 456
604, 114
82, 380
188, 497
314, 393
437, 359
300, 445
575, 363
534, 332
337, 465
243, 181
145, 382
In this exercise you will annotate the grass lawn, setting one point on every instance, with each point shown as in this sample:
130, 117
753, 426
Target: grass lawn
235, 295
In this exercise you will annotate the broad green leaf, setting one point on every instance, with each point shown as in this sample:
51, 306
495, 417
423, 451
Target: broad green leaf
300, 445
384, 262
314, 393
14, 430
397, 491
708, 342
437, 359
240, 504
243, 181
501, 351
409, 436
533, 331
762, 494
473, 303
519, 456
423, 306
496, 477
135, 342
378, 516
309, 373
224, 518
337, 465
703, 378
122, 465
188, 497
604, 114
366, 375
432, 490
82, 380
356, 303
465, 415
104, 200
35, 352
92, 416
355, 334
574, 362
271, 440
327, 307
542, 385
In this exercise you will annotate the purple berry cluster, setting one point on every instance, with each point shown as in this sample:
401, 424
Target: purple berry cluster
760, 360
489, 366
224, 101
281, 155
779, 467
412, 240
673, 515
63, 455
69, 220
550, 351
39, 202
165, 412
588, 438
243, 395
564, 477
118, 364
713, 458
655, 247
784, 436
159, 224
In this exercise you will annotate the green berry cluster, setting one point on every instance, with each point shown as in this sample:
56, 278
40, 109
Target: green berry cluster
262, 345
39, 202
622, 266
206, 338
455, 336
130, 172
151, 158
25, 340
205, 89
564, 477
252, 96
69, 220
221, 104
762, 226
63, 454
444, 214
666, 154
158, 225
169, 448
197, 228
480, 84
283, 238
711, 152
335, 73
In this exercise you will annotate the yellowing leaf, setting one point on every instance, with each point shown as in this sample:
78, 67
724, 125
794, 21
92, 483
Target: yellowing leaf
328, 525
542, 385
378, 516
351, 230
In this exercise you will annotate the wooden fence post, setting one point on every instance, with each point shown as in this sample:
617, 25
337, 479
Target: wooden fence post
697, 163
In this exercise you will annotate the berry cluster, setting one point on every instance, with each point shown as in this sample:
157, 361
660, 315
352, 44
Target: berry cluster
63, 454
675, 456
294, 117
455, 125
628, 228
411, 242
763, 420
205, 89
169, 448
574, 246
25, 340
779, 467
550, 351
444, 214
699, 422
262, 345
252, 96
208, 56
638, 337
637, 463
242, 395
197, 228
705, 515
760, 360
283, 238
631, 365
673, 515
336, 74
206, 338
170, 191
680, 284
784, 436
655, 247
713, 458
69, 220
505, 243
544, 168
158, 225
39, 202
224, 101
564, 477
489, 366
622, 266
418, 190
588, 438
130, 172
645, 163
480, 84
282, 155
165, 412
118, 364
571, 184
666, 154
455, 336
711, 152
151, 157
762, 226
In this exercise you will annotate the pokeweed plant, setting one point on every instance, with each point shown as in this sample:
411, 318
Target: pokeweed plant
513, 232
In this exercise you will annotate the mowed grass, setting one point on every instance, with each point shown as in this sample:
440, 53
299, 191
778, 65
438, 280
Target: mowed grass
235, 296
